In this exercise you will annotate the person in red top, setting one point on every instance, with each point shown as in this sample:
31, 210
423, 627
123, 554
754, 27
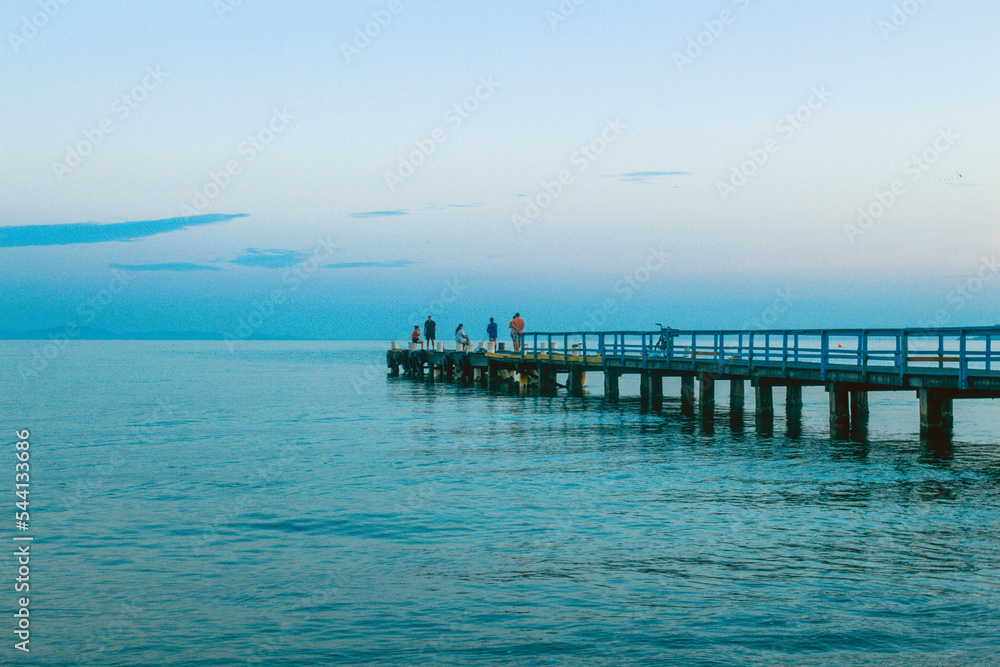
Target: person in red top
416, 336
516, 329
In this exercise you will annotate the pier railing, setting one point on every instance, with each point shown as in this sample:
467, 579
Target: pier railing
963, 350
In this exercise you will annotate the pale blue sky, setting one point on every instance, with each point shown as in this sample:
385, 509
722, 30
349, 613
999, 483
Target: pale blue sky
309, 136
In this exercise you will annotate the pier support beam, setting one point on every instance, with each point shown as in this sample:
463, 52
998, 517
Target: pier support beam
706, 394
655, 386
859, 406
764, 409
547, 380
611, 384
764, 395
840, 411
577, 380
793, 402
651, 389
737, 397
687, 394
936, 411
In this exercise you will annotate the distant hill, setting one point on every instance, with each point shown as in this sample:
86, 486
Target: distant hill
87, 333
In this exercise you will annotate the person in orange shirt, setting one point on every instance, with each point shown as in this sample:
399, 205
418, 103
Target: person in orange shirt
516, 329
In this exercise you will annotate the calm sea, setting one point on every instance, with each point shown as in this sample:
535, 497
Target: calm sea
287, 503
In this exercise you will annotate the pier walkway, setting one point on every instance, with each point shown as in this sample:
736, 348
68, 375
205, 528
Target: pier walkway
939, 365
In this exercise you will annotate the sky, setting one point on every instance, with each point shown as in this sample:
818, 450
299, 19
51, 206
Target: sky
342, 170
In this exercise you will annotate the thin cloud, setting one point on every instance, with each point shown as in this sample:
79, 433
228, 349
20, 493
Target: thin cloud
440, 207
378, 214
396, 264
168, 266
269, 258
647, 176
91, 232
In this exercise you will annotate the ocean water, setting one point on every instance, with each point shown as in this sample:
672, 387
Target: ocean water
287, 503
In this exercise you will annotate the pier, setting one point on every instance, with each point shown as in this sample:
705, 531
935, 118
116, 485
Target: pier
937, 365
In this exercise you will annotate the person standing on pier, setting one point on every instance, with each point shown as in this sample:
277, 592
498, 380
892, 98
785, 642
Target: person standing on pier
491, 331
430, 329
516, 329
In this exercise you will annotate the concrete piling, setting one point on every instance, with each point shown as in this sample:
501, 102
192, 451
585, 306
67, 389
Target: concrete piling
687, 394
936, 411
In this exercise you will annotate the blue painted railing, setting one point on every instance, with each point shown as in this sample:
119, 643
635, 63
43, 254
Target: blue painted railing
961, 350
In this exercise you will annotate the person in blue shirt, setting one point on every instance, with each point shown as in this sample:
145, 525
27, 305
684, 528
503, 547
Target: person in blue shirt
491, 330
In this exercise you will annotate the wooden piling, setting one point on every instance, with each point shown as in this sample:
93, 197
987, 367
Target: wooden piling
687, 394
706, 393
764, 398
840, 412
936, 411
611, 384
737, 398
859, 406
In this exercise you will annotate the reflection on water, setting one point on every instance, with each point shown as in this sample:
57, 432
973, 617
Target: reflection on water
399, 522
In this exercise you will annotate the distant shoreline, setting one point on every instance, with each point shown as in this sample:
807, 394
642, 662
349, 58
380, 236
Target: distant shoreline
102, 334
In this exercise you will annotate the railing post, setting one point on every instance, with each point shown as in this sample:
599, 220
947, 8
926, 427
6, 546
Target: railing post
963, 362
784, 354
720, 347
863, 345
750, 353
670, 348
644, 351
989, 349
824, 352
904, 354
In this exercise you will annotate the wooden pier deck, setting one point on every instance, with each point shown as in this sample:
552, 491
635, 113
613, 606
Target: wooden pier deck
939, 365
